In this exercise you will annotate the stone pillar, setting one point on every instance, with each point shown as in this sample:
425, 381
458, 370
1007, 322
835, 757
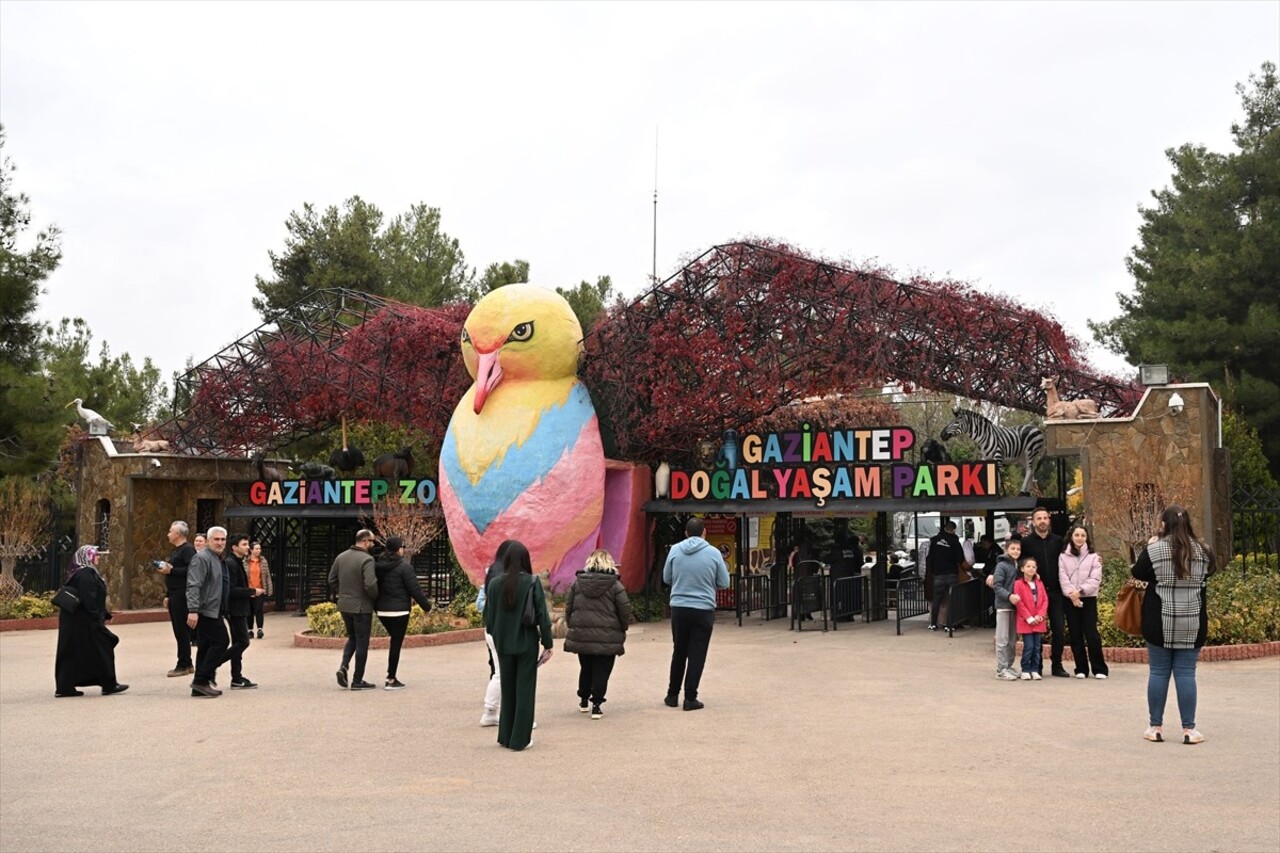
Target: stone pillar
1153, 454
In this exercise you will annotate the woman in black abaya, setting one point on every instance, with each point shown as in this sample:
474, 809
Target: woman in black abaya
86, 648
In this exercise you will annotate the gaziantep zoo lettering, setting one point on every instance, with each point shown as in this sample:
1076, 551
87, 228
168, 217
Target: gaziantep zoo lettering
358, 492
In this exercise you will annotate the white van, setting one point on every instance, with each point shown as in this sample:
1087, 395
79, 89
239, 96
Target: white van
911, 529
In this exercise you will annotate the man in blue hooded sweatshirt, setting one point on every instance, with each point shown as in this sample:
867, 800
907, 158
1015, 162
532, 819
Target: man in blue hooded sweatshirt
694, 571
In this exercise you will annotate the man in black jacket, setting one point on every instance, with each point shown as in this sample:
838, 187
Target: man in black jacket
237, 614
945, 556
1046, 546
175, 585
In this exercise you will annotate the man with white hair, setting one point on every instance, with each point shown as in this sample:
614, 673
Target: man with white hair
208, 598
175, 586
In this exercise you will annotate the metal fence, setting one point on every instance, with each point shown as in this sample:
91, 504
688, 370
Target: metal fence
808, 597
964, 605
752, 593
850, 597
909, 601
46, 571
1255, 526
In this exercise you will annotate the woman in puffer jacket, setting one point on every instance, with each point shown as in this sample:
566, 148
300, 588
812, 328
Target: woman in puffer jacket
398, 588
597, 613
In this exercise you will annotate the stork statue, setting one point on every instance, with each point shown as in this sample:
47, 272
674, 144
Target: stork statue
98, 425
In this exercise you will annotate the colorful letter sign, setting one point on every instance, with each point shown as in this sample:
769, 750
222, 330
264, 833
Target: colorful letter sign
829, 465
359, 492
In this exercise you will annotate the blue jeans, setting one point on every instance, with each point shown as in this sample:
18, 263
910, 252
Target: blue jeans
1182, 664
1032, 648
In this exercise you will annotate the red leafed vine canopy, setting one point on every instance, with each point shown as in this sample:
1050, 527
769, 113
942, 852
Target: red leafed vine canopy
740, 332
748, 327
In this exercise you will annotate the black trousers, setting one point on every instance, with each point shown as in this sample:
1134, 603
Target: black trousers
593, 677
1086, 642
1057, 626
239, 628
211, 632
255, 610
941, 590
181, 633
690, 637
519, 674
359, 626
396, 627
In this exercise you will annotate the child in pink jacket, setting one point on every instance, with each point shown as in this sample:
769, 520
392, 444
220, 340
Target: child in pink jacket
1032, 602
1080, 573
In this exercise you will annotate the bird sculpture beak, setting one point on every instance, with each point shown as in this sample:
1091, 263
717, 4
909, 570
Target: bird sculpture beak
488, 375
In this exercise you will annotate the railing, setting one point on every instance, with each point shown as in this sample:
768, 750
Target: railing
910, 600
806, 600
46, 571
751, 593
850, 597
964, 605
1255, 527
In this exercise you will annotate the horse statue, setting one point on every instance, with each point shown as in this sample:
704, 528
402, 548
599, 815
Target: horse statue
1001, 444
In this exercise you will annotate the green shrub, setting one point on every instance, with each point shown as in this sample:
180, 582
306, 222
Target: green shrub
27, 606
324, 620
1241, 609
656, 610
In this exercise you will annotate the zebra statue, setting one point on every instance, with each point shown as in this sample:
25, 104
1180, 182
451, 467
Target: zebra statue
1026, 443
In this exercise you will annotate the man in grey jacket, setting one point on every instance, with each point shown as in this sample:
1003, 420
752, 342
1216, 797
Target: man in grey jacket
356, 584
208, 597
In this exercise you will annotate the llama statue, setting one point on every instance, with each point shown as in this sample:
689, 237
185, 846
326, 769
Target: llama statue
1059, 409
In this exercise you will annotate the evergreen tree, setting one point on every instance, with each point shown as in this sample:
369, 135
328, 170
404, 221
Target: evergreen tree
29, 423
409, 259
1207, 268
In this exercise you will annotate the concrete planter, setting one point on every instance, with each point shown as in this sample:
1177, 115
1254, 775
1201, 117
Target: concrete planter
1208, 654
308, 640
122, 617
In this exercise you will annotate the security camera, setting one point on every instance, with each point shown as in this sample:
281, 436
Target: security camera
1176, 404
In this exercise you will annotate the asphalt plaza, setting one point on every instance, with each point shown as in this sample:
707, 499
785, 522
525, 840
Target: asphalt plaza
854, 739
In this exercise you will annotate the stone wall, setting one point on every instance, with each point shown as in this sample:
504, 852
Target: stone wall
1178, 453
145, 500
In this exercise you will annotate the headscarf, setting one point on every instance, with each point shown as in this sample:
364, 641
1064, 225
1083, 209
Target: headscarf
83, 559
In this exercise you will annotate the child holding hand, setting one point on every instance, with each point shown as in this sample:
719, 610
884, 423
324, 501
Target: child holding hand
1032, 603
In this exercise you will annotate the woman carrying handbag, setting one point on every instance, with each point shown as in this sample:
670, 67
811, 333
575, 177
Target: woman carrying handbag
1176, 566
86, 648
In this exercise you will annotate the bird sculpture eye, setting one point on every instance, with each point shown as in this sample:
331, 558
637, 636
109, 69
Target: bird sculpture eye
466, 339
522, 332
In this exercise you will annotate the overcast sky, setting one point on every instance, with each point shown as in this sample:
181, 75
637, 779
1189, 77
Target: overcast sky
1008, 145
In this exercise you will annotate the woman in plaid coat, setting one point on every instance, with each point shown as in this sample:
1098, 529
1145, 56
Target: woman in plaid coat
1175, 565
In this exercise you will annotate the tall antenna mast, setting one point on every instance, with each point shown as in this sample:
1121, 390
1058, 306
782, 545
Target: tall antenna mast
653, 275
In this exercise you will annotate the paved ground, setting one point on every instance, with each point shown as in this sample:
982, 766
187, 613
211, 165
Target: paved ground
855, 740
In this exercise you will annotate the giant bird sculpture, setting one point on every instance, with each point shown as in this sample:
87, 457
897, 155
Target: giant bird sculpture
89, 415
522, 457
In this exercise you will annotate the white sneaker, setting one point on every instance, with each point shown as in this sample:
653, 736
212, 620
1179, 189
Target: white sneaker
1101, 676
1153, 734
486, 720
1035, 676
1006, 675
1081, 675
1192, 736
1026, 676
